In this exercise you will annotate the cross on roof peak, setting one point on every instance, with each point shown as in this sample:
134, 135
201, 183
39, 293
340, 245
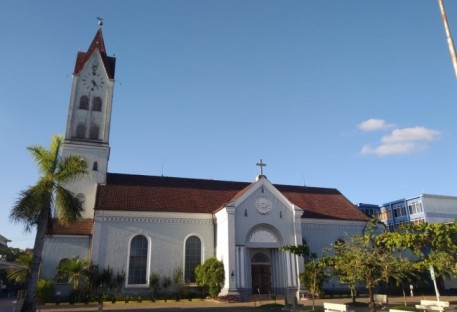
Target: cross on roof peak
261, 165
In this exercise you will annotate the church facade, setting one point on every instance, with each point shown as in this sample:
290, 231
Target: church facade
143, 224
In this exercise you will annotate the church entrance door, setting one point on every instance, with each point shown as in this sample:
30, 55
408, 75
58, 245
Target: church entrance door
261, 273
261, 278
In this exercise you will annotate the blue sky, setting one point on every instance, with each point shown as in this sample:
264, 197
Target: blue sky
355, 95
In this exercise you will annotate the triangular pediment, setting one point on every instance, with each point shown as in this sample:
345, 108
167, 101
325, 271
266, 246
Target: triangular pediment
264, 192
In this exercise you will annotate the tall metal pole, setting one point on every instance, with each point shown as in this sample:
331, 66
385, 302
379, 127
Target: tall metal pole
450, 42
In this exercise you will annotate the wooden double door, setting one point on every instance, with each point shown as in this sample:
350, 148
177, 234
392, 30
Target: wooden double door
261, 278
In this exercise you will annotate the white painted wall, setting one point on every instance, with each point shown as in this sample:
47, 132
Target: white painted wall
165, 231
58, 247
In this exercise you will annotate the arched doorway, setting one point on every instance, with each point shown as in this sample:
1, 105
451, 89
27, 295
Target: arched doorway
261, 273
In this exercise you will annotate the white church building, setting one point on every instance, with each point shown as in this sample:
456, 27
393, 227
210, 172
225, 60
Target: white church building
142, 224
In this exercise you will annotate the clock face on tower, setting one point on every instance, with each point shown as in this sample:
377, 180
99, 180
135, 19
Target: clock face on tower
263, 205
93, 80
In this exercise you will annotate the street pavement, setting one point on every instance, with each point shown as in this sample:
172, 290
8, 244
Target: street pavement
8, 305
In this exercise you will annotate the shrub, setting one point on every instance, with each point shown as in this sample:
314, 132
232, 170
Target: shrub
45, 291
211, 275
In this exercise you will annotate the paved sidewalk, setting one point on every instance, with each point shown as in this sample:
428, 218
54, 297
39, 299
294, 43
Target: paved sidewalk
210, 305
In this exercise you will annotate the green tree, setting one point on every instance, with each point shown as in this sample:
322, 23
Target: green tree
211, 275
313, 278
75, 269
10, 254
433, 245
35, 205
21, 272
314, 274
363, 259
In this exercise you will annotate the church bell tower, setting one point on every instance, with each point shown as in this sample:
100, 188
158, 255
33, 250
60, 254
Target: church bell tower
89, 118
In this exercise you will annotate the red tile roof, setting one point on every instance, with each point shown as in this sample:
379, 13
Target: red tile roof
97, 43
79, 227
124, 192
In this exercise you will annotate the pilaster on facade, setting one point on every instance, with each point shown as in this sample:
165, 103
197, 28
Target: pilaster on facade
227, 216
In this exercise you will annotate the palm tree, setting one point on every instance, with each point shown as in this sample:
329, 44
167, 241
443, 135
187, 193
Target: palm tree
36, 204
75, 269
20, 272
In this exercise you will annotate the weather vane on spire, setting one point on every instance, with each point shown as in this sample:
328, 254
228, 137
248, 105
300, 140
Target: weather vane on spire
100, 21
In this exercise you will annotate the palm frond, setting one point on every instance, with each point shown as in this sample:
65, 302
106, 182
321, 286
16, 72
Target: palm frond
47, 160
68, 206
20, 274
71, 168
29, 205
74, 269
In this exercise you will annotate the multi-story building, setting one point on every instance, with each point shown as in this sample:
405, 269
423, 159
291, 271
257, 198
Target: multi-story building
370, 210
423, 208
4, 242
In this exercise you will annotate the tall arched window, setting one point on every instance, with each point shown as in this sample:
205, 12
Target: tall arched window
93, 132
81, 131
97, 104
193, 258
84, 102
138, 260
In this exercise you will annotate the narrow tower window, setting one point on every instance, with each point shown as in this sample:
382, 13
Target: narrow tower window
97, 104
84, 102
93, 133
81, 131
95, 166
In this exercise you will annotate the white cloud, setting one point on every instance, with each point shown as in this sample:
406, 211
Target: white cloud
374, 124
411, 134
403, 142
392, 149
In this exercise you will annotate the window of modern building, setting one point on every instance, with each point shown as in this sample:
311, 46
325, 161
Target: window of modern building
193, 257
399, 210
138, 260
417, 220
415, 207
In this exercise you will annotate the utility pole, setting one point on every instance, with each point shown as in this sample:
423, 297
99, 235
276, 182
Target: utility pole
450, 42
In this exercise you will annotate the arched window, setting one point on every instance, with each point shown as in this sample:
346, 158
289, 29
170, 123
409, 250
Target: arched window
93, 132
95, 166
84, 102
193, 258
97, 104
81, 131
138, 260
61, 278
